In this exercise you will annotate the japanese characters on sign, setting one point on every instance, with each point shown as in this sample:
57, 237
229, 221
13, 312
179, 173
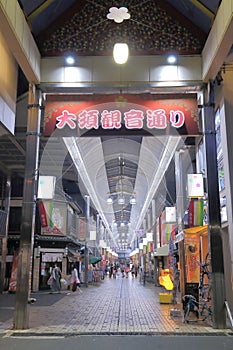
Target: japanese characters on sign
115, 113
133, 119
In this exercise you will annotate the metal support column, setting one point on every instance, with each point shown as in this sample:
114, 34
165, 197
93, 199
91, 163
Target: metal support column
21, 316
215, 237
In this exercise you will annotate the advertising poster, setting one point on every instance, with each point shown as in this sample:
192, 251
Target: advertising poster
53, 217
192, 257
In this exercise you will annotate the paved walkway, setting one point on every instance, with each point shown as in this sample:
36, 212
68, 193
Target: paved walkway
121, 306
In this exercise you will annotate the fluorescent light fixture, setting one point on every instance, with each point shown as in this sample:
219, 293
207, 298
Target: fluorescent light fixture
120, 53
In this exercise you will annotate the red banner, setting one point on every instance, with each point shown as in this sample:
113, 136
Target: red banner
82, 229
43, 215
14, 271
101, 114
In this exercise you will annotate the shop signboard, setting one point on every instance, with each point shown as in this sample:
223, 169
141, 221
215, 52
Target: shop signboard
53, 218
75, 115
192, 249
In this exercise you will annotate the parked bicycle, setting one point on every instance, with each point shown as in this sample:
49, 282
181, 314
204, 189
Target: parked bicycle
205, 288
201, 308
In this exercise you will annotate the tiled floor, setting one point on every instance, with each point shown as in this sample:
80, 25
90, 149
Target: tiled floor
120, 306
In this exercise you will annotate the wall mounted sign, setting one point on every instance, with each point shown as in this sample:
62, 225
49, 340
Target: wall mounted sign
94, 115
53, 216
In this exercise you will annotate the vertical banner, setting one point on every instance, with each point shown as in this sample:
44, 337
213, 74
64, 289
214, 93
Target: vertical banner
82, 229
13, 279
196, 213
165, 229
42, 213
192, 249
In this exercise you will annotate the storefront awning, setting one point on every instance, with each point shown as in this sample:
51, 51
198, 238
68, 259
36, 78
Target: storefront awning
162, 251
196, 229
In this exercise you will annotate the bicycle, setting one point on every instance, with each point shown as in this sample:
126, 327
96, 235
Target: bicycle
205, 288
192, 305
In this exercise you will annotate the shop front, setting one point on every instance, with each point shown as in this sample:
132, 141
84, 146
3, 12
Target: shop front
193, 250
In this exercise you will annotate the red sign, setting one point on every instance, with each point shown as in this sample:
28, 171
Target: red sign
79, 114
14, 271
82, 229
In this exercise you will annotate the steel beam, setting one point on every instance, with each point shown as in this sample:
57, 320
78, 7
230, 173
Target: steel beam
21, 315
214, 218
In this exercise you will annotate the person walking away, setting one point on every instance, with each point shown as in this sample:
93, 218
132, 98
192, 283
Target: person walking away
56, 279
133, 271
122, 271
114, 271
136, 271
127, 270
74, 280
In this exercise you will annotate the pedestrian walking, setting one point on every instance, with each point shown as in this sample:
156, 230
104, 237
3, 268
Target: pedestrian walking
56, 279
133, 271
127, 270
74, 280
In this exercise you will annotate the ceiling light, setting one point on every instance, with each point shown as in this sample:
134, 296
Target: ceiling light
109, 200
120, 53
70, 60
118, 14
121, 200
133, 200
171, 59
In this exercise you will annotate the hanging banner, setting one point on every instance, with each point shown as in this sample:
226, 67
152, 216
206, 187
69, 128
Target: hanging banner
170, 213
42, 213
14, 271
76, 115
195, 185
192, 249
82, 229
196, 213
166, 229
